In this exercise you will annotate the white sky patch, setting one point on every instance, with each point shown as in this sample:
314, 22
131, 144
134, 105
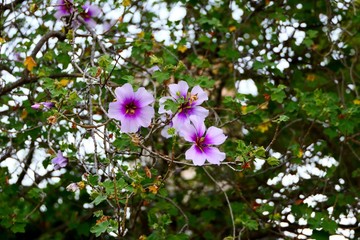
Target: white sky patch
258, 163
177, 13
237, 12
335, 34
4, 108
246, 87
163, 13
337, 237
289, 179
162, 36
323, 18
299, 36
283, 64
313, 200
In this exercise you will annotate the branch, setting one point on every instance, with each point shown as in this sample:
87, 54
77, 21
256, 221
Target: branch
24, 80
227, 200
6, 154
27, 162
61, 36
9, 6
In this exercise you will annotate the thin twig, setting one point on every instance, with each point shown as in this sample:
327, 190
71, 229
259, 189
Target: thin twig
186, 225
227, 200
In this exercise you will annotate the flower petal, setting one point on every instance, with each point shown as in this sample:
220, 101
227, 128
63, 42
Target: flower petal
213, 155
59, 161
214, 136
179, 90
124, 92
143, 97
91, 22
93, 10
201, 95
199, 125
128, 125
188, 132
195, 155
115, 111
145, 116
199, 112
180, 120
59, 154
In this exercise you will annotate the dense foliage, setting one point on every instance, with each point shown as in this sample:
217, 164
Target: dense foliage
282, 84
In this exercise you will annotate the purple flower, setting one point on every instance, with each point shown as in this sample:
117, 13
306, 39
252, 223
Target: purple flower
203, 141
189, 103
64, 8
90, 11
43, 105
132, 108
59, 161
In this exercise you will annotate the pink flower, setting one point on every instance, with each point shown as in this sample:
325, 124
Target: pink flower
188, 103
90, 11
43, 105
64, 8
203, 141
59, 161
132, 108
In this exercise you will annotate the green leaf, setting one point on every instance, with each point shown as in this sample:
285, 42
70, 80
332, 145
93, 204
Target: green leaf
109, 186
99, 199
356, 173
18, 227
320, 235
98, 213
278, 96
128, 78
205, 82
329, 226
35, 193
161, 76
104, 61
281, 118
155, 60
93, 179
259, 152
171, 105
273, 161
64, 59
181, 236
98, 229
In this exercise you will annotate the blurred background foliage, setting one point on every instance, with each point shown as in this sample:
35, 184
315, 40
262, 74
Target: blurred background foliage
292, 166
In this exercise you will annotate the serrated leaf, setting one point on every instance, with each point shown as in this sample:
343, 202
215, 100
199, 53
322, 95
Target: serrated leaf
273, 161
18, 227
104, 61
128, 78
98, 213
259, 152
155, 60
171, 105
161, 76
99, 199
330, 226
281, 118
98, 229
93, 179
